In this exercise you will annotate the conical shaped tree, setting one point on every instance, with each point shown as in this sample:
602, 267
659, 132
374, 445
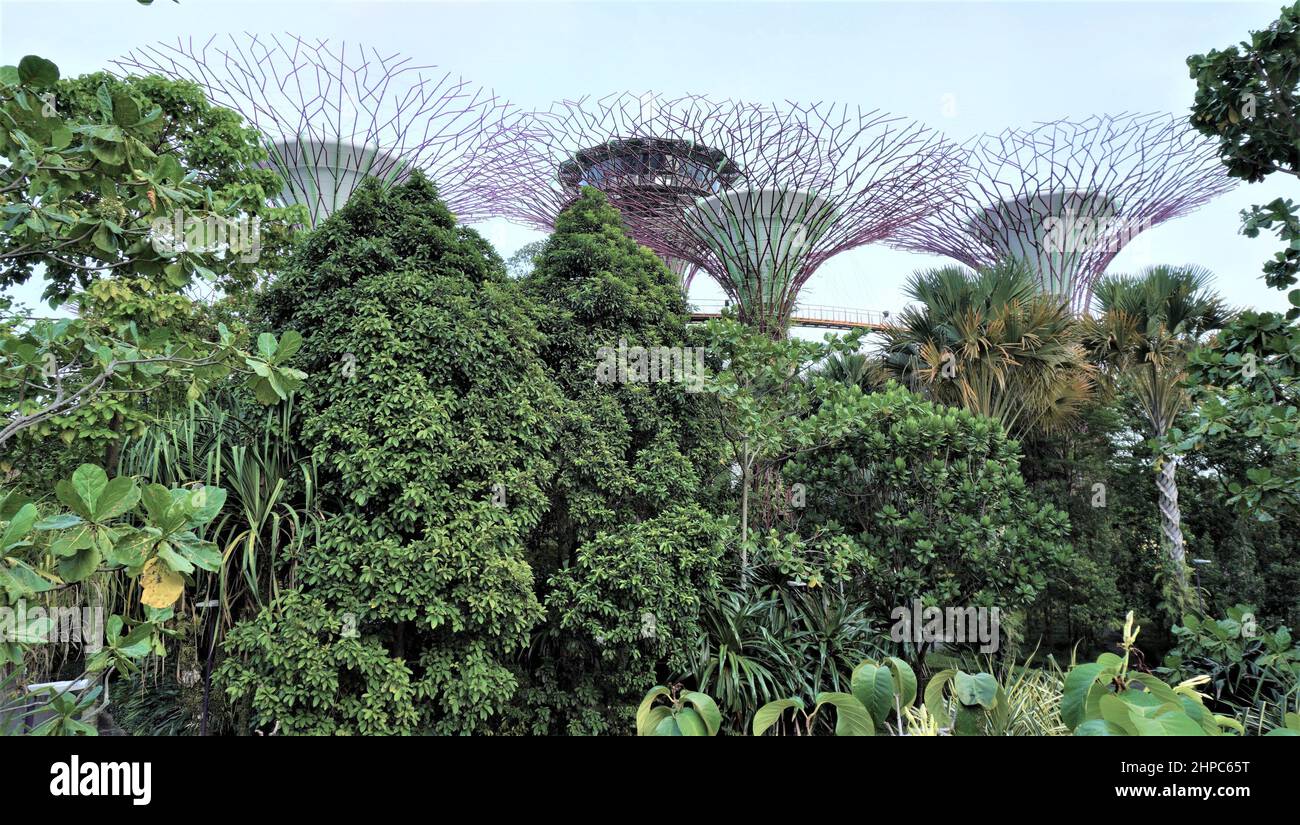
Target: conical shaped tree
639, 440
430, 416
626, 549
1144, 329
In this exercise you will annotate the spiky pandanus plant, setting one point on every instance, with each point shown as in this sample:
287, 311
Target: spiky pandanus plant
991, 342
1140, 336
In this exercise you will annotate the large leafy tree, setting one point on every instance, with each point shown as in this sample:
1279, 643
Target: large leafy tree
923, 501
628, 449
1246, 390
991, 342
95, 162
1244, 383
1141, 336
1248, 97
625, 549
433, 423
80, 189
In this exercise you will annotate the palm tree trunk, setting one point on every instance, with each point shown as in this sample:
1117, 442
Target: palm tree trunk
1171, 521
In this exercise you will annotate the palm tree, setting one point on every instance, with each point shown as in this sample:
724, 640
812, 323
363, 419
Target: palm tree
992, 342
1140, 337
856, 370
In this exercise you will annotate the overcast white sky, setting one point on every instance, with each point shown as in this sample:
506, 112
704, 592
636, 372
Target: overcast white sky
1005, 64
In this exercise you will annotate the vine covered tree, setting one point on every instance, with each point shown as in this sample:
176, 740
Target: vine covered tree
627, 546
433, 423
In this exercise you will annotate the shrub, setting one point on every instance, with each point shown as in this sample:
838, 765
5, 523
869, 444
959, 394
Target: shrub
927, 502
1253, 674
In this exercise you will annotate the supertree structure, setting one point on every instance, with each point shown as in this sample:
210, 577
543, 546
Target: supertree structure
624, 145
331, 116
758, 196
1067, 196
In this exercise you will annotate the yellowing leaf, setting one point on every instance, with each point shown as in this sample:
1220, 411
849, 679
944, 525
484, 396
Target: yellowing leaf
162, 586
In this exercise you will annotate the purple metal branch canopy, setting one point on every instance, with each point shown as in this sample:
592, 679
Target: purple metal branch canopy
757, 196
1067, 196
331, 116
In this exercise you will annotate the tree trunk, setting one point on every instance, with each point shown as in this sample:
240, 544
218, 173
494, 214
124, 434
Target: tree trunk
744, 522
1171, 521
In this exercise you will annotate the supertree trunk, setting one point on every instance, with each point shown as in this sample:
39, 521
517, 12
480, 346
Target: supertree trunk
1171, 521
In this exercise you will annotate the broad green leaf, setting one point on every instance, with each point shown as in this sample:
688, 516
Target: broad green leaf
173, 559
138, 642
976, 689
89, 481
18, 527
37, 71
11, 503
1170, 722
60, 522
643, 712
203, 553
667, 727
1074, 696
67, 494
290, 343
703, 704
206, 503
873, 686
78, 566
1158, 689
851, 718
768, 715
904, 680
934, 695
1099, 727
649, 724
1116, 711
690, 723
118, 497
132, 548
25, 579
157, 501
266, 346
70, 541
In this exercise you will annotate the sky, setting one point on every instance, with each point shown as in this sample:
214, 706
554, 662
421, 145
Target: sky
963, 68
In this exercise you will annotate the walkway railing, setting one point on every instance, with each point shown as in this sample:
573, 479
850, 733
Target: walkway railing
808, 315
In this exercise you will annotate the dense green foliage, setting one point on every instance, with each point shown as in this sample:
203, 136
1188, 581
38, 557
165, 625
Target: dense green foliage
432, 422
625, 552
1248, 97
1253, 673
380, 481
93, 163
928, 502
